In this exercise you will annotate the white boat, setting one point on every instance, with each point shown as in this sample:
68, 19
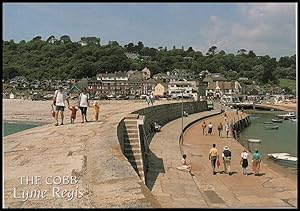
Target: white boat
277, 120
254, 140
294, 120
287, 116
283, 156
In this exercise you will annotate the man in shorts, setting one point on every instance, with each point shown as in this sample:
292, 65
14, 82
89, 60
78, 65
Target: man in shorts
60, 96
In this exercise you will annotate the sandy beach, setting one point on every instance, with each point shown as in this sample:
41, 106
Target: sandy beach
40, 111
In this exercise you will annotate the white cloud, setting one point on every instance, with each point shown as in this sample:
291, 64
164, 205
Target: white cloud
267, 28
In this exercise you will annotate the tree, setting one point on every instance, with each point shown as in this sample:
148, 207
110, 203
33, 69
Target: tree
284, 61
9, 72
129, 47
51, 37
268, 75
251, 54
140, 46
65, 39
222, 52
190, 49
212, 51
37, 38
241, 51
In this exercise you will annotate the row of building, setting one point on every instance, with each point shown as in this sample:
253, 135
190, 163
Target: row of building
136, 83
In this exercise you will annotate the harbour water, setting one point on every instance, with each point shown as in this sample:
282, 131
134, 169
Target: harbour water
14, 127
284, 139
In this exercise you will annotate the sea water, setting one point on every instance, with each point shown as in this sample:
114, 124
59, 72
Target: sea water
283, 139
14, 127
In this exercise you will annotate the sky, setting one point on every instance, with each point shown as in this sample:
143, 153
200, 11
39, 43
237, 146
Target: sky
265, 28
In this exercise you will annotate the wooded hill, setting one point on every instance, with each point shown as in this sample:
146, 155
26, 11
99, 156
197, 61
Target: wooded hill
65, 59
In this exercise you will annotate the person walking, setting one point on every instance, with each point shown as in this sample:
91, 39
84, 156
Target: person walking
227, 160
84, 103
60, 96
213, 156
220, 129
203, 128
227, 129
244, 161
151, 98
147, 99
210, 127
96, 110
256, 160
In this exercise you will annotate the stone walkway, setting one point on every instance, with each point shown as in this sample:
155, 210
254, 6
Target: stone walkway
174, 188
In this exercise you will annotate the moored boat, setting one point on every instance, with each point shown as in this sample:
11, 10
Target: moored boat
252, 140
271, 127
285, 157
287, 116
277, 120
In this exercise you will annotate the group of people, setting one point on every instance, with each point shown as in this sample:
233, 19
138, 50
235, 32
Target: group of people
59, 102
149, 99
220, 128
213, 156
226, 127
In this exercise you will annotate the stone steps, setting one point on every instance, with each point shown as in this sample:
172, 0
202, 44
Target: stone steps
132, 148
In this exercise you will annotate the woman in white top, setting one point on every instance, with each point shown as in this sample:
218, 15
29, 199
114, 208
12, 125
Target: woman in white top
84, 103
244, 161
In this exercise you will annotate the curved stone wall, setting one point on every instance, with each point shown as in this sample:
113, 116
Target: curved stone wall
161, 114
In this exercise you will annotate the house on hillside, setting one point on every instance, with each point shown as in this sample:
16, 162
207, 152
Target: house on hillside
146, 73
74, 91
160, 89
229, 90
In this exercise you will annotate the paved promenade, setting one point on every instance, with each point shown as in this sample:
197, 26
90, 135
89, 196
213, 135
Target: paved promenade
174, 188
89, 151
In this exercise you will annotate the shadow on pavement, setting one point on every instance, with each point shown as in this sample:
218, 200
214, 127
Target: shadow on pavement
155, 167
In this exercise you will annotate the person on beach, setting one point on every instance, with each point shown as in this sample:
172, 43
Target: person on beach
244, 161
256, 160
225, 117
96, 110
209, 127
73, 110
220, 129
227, 160
203, 128
185, 164
227, 129
59, 99
213, 156
84, 103
237, 111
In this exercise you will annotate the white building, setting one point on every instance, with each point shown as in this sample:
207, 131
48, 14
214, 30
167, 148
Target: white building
176, 88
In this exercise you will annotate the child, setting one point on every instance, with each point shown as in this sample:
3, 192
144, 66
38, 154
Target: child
96, 110
73, 113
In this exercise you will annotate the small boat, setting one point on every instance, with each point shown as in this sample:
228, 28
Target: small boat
277, 120
294, 120
287, 116
254, 140
271, 127
268, 123
283, 157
